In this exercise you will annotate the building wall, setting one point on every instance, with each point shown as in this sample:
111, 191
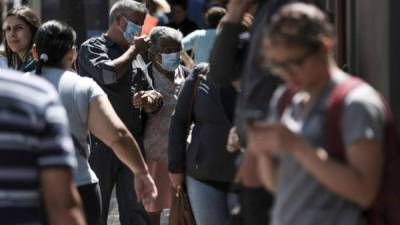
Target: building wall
373, 47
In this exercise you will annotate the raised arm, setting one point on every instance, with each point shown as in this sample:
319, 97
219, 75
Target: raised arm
223, 63
94, 61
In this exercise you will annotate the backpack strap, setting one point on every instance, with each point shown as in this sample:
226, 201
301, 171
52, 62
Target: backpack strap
284, 100
335, 105
199, 72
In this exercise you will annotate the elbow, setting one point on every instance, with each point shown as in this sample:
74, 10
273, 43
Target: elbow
367, 199
120, 134
366, 196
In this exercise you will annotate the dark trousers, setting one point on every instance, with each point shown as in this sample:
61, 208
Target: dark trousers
110, 170
256, 206
91, 200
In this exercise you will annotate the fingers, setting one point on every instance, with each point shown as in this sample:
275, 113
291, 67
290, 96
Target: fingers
141, 43
233, 141
176, 180
145, 188
147, 98
247, 173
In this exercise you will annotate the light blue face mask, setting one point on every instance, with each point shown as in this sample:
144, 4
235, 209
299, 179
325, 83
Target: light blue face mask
132, 30
170, 61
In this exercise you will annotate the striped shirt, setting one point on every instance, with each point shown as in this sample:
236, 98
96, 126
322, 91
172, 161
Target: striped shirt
33, 137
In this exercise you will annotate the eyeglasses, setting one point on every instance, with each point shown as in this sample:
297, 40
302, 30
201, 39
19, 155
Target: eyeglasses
288, 65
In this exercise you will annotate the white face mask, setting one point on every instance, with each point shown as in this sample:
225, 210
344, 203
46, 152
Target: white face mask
170, 61
132, 30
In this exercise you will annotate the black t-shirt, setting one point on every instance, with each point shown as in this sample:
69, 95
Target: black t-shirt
95, 61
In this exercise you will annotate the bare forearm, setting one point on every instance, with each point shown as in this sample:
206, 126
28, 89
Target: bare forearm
236, 10
72, 216
340, 178
267, 171
187, 60
65, 209
127, 150
123, 62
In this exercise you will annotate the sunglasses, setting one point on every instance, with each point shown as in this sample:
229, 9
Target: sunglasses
289, 65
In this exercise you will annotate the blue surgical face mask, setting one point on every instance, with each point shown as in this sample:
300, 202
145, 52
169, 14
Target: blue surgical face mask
131, 30
170, 61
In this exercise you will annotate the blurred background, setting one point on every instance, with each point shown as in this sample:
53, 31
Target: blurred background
368, 33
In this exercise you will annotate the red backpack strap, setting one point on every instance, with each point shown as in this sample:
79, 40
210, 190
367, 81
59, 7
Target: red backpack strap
386, 208
334, 140
284, 100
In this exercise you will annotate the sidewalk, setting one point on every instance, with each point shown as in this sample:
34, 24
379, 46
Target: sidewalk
113, 216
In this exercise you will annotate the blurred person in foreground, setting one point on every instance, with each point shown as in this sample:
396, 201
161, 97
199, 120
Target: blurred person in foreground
37, 155
108, 60
233, 60
311, 184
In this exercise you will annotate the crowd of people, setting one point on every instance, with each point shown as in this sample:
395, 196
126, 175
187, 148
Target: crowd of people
250, 115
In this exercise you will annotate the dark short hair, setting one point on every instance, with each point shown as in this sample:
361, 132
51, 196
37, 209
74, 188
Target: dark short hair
54, 39
214, 15
299, 24
181, 3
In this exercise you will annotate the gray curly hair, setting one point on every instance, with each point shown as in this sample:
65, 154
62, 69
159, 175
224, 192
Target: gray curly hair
160, 34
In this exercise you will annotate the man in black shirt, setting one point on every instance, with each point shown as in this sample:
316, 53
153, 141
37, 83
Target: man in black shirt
108, 60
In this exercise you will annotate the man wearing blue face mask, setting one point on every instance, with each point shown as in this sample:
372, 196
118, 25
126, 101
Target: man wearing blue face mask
108, 60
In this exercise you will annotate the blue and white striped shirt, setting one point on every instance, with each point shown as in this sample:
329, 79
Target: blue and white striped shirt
34, 136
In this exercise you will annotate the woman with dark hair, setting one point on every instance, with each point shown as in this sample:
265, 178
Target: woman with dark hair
20, 26
89, 110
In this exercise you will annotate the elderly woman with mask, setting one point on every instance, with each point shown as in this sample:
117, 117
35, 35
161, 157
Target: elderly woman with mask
168, 76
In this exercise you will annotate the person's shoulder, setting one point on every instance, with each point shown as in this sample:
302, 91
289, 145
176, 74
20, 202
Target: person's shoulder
97, 40
79, 80
27, 88
362, 98
364, 94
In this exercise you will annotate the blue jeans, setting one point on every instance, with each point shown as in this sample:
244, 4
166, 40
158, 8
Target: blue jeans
110, 170
210, 205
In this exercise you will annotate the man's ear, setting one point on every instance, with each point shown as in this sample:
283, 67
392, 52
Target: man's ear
151, 53
71, 54
35, 53
119, 20
327, 44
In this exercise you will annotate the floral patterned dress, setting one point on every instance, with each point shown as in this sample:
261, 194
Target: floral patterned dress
157, 126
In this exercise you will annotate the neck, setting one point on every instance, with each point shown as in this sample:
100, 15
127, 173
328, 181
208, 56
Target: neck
22, 55
327, 72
